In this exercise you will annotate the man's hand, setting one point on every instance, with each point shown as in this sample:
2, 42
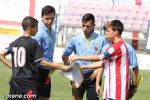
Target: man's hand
66, 68
93, 76
98, 90
73, 58
73, 85
4, 60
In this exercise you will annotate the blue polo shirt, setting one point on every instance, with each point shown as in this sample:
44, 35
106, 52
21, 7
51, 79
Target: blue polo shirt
79, 45
46, 41
132, 56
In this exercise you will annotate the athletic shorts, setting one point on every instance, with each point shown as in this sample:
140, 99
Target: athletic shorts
17, 93
44, 88
87, 86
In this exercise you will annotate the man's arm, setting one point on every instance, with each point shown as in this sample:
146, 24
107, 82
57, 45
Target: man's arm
93, 65
86, 58
55, 65
133, 82
98, 78
4, 60
134, 73
96, 65
98, 57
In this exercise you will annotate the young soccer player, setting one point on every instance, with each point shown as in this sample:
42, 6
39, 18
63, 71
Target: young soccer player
26, 54
115, 62
132, 63
133, 70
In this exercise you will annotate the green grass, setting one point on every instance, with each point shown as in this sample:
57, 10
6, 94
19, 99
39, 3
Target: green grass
61, 86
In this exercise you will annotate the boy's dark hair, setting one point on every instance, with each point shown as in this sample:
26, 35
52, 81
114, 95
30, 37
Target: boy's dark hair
115, 25
29, 22
47, 10
88, 17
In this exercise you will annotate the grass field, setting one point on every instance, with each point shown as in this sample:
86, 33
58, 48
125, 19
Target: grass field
61, 86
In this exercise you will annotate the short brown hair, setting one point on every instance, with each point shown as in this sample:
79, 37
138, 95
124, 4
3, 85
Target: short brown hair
115, 25
47, 10
88, 17
29, 22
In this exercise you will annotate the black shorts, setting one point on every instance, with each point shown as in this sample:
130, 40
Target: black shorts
44, 88
17, 93
87, 85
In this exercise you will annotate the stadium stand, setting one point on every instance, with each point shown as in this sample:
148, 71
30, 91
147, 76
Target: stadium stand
131, 14
134, 17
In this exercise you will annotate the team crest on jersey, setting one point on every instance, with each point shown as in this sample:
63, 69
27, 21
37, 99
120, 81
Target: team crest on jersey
96, 48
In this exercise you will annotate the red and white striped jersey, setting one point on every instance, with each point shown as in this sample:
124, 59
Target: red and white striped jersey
116, 71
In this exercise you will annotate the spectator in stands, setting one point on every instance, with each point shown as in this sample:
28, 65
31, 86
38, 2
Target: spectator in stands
85, 43
115, 62
46, 37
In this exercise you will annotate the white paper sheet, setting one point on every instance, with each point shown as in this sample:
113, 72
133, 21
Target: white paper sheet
74, 75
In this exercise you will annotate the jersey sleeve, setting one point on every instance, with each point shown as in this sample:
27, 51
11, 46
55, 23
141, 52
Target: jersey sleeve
10, 48
38, 55
70, 47
132, 58
106, 53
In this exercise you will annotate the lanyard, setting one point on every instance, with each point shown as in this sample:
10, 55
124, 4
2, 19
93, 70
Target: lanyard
88, 40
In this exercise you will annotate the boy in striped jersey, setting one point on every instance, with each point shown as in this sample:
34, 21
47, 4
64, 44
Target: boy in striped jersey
114, 61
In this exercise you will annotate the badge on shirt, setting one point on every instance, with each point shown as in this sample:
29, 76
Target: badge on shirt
96, 48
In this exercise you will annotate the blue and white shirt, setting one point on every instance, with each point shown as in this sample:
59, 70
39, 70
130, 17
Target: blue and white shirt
46, 41
79, 45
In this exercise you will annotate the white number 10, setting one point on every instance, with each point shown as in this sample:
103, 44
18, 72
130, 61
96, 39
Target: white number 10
19, 56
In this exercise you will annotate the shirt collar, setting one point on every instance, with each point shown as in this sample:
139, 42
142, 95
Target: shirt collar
92, 34
43, 25
45, 28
